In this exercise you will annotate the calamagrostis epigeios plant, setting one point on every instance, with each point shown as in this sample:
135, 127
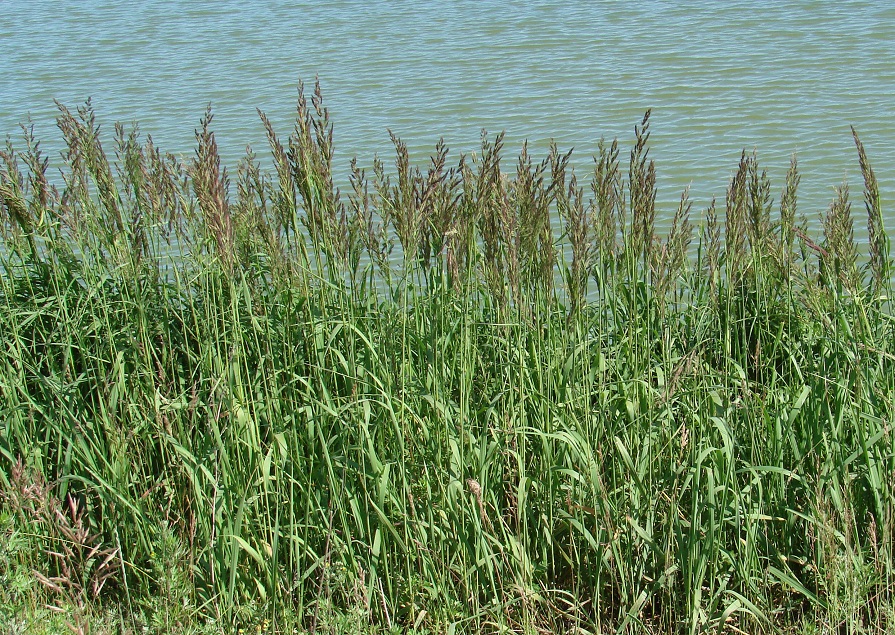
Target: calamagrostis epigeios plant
711, 238
877, 240
211, 188
642, 186
14, 210
671, 257
788, 205
608, 201
530, 199
579, 232
310, 158
841, 254
490, 197
736, 220
284, 199
437, 199
88, 163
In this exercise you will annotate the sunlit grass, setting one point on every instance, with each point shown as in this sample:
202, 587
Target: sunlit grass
468, 397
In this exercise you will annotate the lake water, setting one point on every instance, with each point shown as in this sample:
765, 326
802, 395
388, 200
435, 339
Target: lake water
780, 77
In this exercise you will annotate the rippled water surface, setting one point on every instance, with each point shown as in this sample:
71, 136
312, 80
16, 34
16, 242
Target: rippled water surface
783, 77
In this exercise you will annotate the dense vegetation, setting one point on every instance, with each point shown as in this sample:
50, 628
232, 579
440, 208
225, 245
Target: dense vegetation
471, 397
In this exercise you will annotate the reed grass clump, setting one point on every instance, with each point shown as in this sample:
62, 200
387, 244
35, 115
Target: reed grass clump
456, 399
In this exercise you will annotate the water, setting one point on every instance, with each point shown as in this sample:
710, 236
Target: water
785, 77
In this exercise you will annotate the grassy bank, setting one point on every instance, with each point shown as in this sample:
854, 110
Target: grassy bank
476, 396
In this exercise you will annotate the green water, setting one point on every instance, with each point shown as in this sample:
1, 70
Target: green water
783, 78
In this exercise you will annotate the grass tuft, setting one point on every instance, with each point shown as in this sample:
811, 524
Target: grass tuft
457, 399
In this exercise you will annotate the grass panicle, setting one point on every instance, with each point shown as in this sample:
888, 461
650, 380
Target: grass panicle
877, 239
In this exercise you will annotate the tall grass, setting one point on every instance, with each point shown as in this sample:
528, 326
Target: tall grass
469, 396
